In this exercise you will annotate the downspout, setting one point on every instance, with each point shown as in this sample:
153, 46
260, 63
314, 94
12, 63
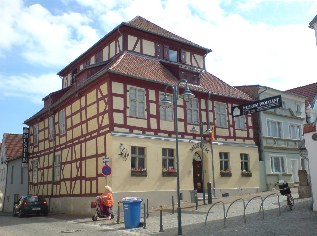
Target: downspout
54, 150
5, 186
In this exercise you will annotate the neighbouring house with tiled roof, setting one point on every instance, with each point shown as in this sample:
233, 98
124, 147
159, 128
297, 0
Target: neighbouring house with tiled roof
109, 112
310, 92
278, 133
13, 175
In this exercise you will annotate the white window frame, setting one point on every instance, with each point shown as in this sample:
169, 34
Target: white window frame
35, 167
137, 156
240, 122
137, 102
224, 157
294, 131
244, 158
166, 113
281, 159
221, 115
298, 108
278, 126
192, 109
36, 134
57, 167
62, 122
166, 157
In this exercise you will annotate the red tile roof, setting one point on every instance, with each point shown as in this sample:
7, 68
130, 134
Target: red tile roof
145, 25
13, 144
309, 91
139, 66
251, 90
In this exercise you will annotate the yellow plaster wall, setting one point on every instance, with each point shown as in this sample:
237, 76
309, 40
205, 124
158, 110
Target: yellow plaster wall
76, 187
153, 123
131, 42
112, 49
148, 47
117, 87
118, 103
91, 147
120, 44
200, 61
118, 117
105, 53
241, 133
222, 132
137, 122
91, 97
91, 110
92, 125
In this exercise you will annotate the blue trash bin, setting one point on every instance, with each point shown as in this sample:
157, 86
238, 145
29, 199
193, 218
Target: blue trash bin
132, 211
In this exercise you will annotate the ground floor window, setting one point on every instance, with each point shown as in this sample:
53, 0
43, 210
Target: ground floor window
168, 159
278, 164
137, 158
224, 161
244, 162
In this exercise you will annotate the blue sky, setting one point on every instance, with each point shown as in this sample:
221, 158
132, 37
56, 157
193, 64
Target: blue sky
264, 42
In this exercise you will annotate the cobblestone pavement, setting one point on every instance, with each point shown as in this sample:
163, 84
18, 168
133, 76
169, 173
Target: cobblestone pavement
275, 221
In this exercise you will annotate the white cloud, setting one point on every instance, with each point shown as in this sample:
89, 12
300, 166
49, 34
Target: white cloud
31, 87
44, 38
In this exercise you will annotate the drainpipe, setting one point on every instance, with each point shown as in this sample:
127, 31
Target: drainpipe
54, 150
5, 186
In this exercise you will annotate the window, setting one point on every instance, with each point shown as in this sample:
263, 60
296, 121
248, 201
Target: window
224, 161
284, 104
168, 159
99, 57
244, 162
137, 158
221, 115
294, 131
240, 122
166, 113
173, 55
137, 103
86, 63
35, 134
34, 170
277, 164
298, 108
61, 116
51, 127
12, 169
274, 128
57, 168
192, 110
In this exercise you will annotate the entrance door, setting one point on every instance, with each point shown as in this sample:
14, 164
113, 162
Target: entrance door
295, 171
197, 175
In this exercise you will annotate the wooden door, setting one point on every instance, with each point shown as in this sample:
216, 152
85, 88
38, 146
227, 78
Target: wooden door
197, 176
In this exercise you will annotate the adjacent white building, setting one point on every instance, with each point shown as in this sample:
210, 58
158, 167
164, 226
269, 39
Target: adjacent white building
13, 176
279, 135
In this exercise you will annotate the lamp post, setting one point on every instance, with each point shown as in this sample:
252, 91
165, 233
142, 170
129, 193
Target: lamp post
211, 146
166, 102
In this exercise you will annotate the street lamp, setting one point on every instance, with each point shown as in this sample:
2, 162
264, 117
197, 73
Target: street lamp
211, 132
166, 102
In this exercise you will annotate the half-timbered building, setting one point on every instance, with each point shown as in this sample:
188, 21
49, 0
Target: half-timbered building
108, 112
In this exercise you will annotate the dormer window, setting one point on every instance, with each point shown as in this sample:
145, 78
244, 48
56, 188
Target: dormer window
172, 55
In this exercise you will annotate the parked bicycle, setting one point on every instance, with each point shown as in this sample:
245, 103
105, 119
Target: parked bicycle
286, 191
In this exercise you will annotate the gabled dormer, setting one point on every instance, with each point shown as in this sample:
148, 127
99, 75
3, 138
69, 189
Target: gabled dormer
184, 58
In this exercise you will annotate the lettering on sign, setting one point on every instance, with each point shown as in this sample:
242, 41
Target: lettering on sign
197, 145
257, 106
25, 150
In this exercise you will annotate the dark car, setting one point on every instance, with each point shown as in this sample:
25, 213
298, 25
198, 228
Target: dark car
30, 205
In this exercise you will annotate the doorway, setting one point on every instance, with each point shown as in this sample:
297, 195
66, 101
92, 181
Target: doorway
295, 171
197, 176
